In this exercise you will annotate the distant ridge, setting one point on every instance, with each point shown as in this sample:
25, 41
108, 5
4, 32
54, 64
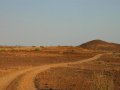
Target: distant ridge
101, 45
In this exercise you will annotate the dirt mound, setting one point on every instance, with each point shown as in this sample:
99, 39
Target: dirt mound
101, 45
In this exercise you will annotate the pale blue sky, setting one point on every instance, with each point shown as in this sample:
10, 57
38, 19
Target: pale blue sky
58, 22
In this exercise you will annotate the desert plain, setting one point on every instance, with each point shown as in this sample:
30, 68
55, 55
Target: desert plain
94, 65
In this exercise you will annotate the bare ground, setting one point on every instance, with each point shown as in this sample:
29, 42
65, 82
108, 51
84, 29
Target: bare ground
99, 74
24, 79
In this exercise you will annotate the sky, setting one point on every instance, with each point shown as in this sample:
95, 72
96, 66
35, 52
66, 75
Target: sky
58, 22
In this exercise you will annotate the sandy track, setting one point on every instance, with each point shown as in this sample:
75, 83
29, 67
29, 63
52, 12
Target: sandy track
24, 79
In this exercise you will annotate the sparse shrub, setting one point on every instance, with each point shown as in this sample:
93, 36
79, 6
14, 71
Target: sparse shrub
118, 55
3, 49
42, 46
36, 49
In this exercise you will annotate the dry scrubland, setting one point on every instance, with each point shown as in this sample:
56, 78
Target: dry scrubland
19, 63
102, 74
13, 59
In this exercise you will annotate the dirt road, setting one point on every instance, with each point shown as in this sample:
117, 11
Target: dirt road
24, 79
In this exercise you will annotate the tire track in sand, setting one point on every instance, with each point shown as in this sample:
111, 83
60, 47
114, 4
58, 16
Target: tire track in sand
24, 79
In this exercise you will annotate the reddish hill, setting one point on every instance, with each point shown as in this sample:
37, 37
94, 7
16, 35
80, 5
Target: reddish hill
101, 45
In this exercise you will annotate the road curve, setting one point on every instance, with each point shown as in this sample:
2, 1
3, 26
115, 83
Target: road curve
24, 79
